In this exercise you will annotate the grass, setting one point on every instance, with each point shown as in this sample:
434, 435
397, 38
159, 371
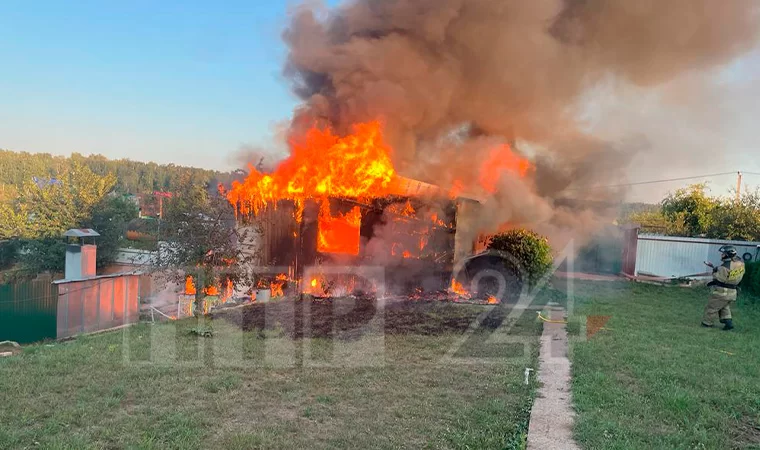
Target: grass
656, 379
164, 386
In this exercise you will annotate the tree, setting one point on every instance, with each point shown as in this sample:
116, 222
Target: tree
201, 240
42, 255
46, 207
650, 221
689, 211
132, 176
110, 218
737, 220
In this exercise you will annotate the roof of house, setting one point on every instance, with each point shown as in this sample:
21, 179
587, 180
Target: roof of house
81, 232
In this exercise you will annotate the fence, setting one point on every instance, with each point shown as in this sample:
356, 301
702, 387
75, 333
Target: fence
670, 256
97, 303
28, 311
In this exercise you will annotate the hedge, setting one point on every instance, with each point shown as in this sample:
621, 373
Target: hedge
751, 281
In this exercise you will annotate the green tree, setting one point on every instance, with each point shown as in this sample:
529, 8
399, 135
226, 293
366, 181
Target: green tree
50, 206
689, 211
737, 220
16, 168
201, 240
110, 218
650, 221
42, 255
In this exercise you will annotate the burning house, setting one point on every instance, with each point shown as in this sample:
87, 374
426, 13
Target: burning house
338, 201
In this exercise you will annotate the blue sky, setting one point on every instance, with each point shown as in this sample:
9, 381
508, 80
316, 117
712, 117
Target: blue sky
184, 81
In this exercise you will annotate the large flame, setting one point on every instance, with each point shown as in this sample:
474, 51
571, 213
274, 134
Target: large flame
339, 233
322, 165
501, 159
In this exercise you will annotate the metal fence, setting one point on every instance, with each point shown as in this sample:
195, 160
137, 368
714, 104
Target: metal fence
28, 311
672, 256
97, 303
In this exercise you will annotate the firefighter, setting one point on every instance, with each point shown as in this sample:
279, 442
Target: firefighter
723, 288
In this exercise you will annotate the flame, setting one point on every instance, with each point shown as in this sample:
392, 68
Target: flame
228, 290
339, 234
493, 300
457, 288
211, 290
500, 160
189, 286
317, 287
276, 289
321, 165
456, 188
408, 209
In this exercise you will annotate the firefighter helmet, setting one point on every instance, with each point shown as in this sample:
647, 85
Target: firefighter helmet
728, 251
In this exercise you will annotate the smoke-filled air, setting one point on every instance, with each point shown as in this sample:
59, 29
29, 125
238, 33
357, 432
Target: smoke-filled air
483, 97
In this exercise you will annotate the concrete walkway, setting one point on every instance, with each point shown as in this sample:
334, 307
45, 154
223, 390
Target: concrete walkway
551, 419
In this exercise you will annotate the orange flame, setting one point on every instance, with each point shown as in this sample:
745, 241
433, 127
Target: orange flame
493, 300
228, 290
500, 160
276, 289
211, 290
457, 288
339, 234
189, 286
456, 188
321, 165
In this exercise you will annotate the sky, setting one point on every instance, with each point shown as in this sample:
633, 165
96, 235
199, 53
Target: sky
191, 82
186, 82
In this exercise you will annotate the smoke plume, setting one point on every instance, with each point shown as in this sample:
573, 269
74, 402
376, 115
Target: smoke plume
452, 78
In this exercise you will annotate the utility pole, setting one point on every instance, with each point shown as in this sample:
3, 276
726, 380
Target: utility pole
738, 186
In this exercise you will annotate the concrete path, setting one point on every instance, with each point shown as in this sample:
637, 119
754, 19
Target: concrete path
551, 419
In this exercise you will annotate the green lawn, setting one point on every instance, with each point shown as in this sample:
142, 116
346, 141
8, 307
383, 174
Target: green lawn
160, 386
655, 379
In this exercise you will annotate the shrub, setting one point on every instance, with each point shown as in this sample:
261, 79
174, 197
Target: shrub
751, 281
528, 249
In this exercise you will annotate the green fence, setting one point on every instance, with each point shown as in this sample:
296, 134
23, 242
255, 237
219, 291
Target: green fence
28, 311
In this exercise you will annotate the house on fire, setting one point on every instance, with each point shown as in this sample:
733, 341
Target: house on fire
339, 201
418, 235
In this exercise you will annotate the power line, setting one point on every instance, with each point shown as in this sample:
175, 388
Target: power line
667, 180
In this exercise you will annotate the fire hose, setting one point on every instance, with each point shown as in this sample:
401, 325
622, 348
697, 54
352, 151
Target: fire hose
547, 320
550, 320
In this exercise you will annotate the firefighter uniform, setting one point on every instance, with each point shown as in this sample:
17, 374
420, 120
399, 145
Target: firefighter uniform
723, 290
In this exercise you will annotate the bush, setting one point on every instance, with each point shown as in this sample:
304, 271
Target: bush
8, 253
751, 281
528, 249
